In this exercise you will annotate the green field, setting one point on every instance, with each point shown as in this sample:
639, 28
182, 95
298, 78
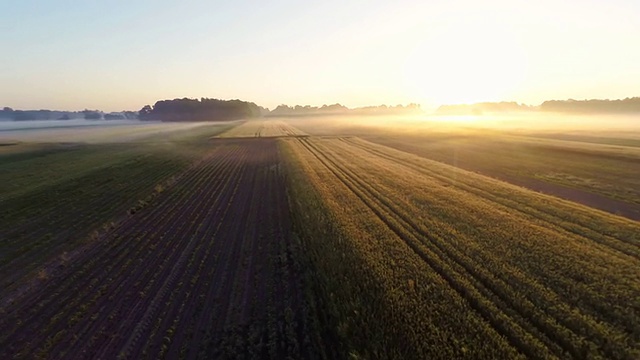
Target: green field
57, 196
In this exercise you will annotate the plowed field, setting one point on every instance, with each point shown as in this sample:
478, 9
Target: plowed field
207, 270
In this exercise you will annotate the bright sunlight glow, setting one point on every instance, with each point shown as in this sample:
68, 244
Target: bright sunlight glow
465, 61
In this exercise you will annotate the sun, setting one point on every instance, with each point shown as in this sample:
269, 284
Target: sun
462, 65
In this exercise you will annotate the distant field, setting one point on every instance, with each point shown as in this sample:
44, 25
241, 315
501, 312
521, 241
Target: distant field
88, 131
255, 239
589, 168
262, 128
606, 138
600, 176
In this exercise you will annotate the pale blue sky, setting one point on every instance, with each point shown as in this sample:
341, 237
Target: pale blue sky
116, 55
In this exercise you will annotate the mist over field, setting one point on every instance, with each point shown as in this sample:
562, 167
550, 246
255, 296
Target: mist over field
597, 124
92, 131
73, 123
546, 122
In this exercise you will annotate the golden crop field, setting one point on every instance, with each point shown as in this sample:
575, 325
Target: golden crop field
438, 262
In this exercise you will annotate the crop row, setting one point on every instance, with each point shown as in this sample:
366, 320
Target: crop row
263, 128
470, 242
582, 244
51, 219
208, 266
120, 250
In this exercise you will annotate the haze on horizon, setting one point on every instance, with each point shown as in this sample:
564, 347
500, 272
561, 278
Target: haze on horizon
120, 55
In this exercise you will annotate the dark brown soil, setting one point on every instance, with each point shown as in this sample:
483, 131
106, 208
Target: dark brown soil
209, 270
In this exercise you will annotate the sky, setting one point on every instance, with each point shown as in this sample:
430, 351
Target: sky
120, 55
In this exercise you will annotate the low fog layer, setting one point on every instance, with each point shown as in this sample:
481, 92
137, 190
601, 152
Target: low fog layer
618, 126
90, 131
615, 125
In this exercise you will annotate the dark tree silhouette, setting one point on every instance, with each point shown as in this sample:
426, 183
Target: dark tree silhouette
145, 112
338, 109
92, 114
200, 110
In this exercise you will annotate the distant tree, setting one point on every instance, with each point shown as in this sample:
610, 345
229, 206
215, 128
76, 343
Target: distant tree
6, 113
338, 109
130, 115
628, 105
114, 116
145, 112
92, 114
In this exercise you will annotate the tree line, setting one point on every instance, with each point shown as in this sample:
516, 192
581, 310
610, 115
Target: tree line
203, 109
593, 106
338, 109
628, 105
8, 113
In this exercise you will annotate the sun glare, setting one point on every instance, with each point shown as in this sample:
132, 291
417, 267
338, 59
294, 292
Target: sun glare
466, 63
458, 119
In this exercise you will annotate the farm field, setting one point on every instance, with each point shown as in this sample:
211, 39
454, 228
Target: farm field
54, 197
595, 168
438, 262
262, 128
96, 132
257, 240
208, 269
599, 176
